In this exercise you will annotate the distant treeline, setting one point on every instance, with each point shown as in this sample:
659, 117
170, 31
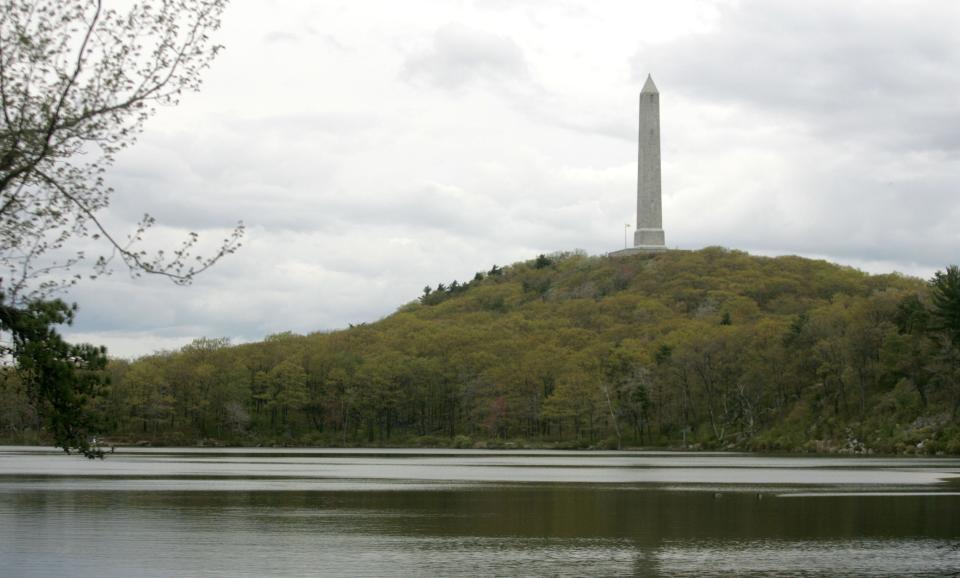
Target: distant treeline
711, 349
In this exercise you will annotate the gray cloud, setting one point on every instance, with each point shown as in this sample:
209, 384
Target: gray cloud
850, 71
459, 56
275, 36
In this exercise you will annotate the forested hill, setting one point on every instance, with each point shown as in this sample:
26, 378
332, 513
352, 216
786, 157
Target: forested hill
710, 349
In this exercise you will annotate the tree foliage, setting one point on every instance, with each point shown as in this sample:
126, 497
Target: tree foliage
58, 378
78, 79
77, 82
711, 349
945, 301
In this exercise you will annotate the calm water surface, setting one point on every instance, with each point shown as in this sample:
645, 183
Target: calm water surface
191, 512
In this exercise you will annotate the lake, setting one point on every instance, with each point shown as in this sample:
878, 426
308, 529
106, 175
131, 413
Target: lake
332, 512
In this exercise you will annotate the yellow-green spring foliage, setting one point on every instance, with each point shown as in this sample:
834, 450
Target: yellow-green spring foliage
712, 348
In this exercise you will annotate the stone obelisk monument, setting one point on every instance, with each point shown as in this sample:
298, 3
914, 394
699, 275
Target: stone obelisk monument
649, 233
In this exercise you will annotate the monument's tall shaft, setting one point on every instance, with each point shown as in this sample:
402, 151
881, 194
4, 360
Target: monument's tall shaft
649, 232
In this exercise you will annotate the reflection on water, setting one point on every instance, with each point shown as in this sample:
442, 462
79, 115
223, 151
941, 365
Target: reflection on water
233, 513
903, 557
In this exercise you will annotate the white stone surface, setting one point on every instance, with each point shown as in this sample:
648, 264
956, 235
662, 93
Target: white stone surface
648, 237
637, 250
649, 211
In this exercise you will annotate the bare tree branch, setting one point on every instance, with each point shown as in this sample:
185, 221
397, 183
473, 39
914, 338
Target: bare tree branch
77, 82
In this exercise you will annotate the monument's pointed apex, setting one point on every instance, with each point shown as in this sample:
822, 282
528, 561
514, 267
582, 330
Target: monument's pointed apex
649, 87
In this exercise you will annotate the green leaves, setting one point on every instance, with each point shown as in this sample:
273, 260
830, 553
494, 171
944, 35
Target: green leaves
801, 364
60, 378
77, 81
945, 300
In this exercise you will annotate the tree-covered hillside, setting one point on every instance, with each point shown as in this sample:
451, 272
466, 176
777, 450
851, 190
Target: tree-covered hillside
711, 349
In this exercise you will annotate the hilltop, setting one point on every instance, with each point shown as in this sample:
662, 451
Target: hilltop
707, 349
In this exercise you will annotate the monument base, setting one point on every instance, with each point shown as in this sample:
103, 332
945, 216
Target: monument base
638, 250
644, 241
648, 238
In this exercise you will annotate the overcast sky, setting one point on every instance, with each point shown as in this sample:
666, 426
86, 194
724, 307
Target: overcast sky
373, 148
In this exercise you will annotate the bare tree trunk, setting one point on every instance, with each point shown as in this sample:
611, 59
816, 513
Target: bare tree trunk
616, 426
